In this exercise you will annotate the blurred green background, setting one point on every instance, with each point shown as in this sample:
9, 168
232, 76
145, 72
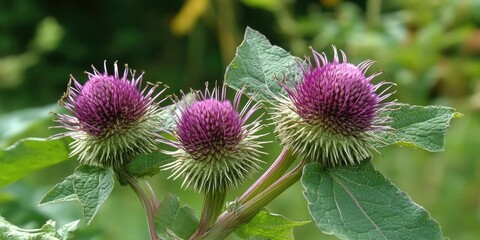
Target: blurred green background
430, 48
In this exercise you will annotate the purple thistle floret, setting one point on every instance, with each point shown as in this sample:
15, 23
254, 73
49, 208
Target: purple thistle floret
112, 118
216, 147
106, 104
337, 95
333, 115
210, 127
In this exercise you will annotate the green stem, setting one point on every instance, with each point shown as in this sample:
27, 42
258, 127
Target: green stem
276, 170
151, 194
230, 221
147, 197
212, 207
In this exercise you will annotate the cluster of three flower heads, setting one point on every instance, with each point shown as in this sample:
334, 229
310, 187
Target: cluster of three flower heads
333, 115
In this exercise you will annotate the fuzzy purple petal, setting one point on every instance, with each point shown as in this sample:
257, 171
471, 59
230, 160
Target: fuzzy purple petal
209, 127
336, 96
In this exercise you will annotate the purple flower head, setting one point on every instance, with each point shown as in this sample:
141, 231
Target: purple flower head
210, 127
337, 95
216, 147
112, 118
333, 115
106, 105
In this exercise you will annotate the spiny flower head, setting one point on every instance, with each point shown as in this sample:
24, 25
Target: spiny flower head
111, 118
334, 114
217, 149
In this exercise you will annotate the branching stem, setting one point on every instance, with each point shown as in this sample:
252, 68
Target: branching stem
146, 195
276, 170
229, 221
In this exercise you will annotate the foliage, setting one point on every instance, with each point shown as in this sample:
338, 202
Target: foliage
419, 126
431, 54
91, 186
30, 155
173, 221
350, 202
267, 225
358, 202
47, 232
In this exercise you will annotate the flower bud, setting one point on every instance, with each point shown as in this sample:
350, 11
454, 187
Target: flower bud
217, 149
333, 115
111, 118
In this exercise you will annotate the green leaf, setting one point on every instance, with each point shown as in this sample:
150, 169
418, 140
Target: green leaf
258, 64
61, 192
148, 164
358, 202
92, 186
267, 225
420, 126
185, 223
173, 221
30, 155
165, 217
47, 232
66, 232
17, 123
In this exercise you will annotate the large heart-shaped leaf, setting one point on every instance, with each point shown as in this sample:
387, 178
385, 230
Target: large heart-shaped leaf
358, 202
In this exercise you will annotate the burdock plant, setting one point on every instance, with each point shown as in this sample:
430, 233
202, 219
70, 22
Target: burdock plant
333, 115
217, 148
329, 115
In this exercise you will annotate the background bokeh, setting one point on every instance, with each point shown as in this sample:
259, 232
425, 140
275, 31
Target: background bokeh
430, 49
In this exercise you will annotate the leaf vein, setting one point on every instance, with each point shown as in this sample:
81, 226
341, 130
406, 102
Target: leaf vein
357, 203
